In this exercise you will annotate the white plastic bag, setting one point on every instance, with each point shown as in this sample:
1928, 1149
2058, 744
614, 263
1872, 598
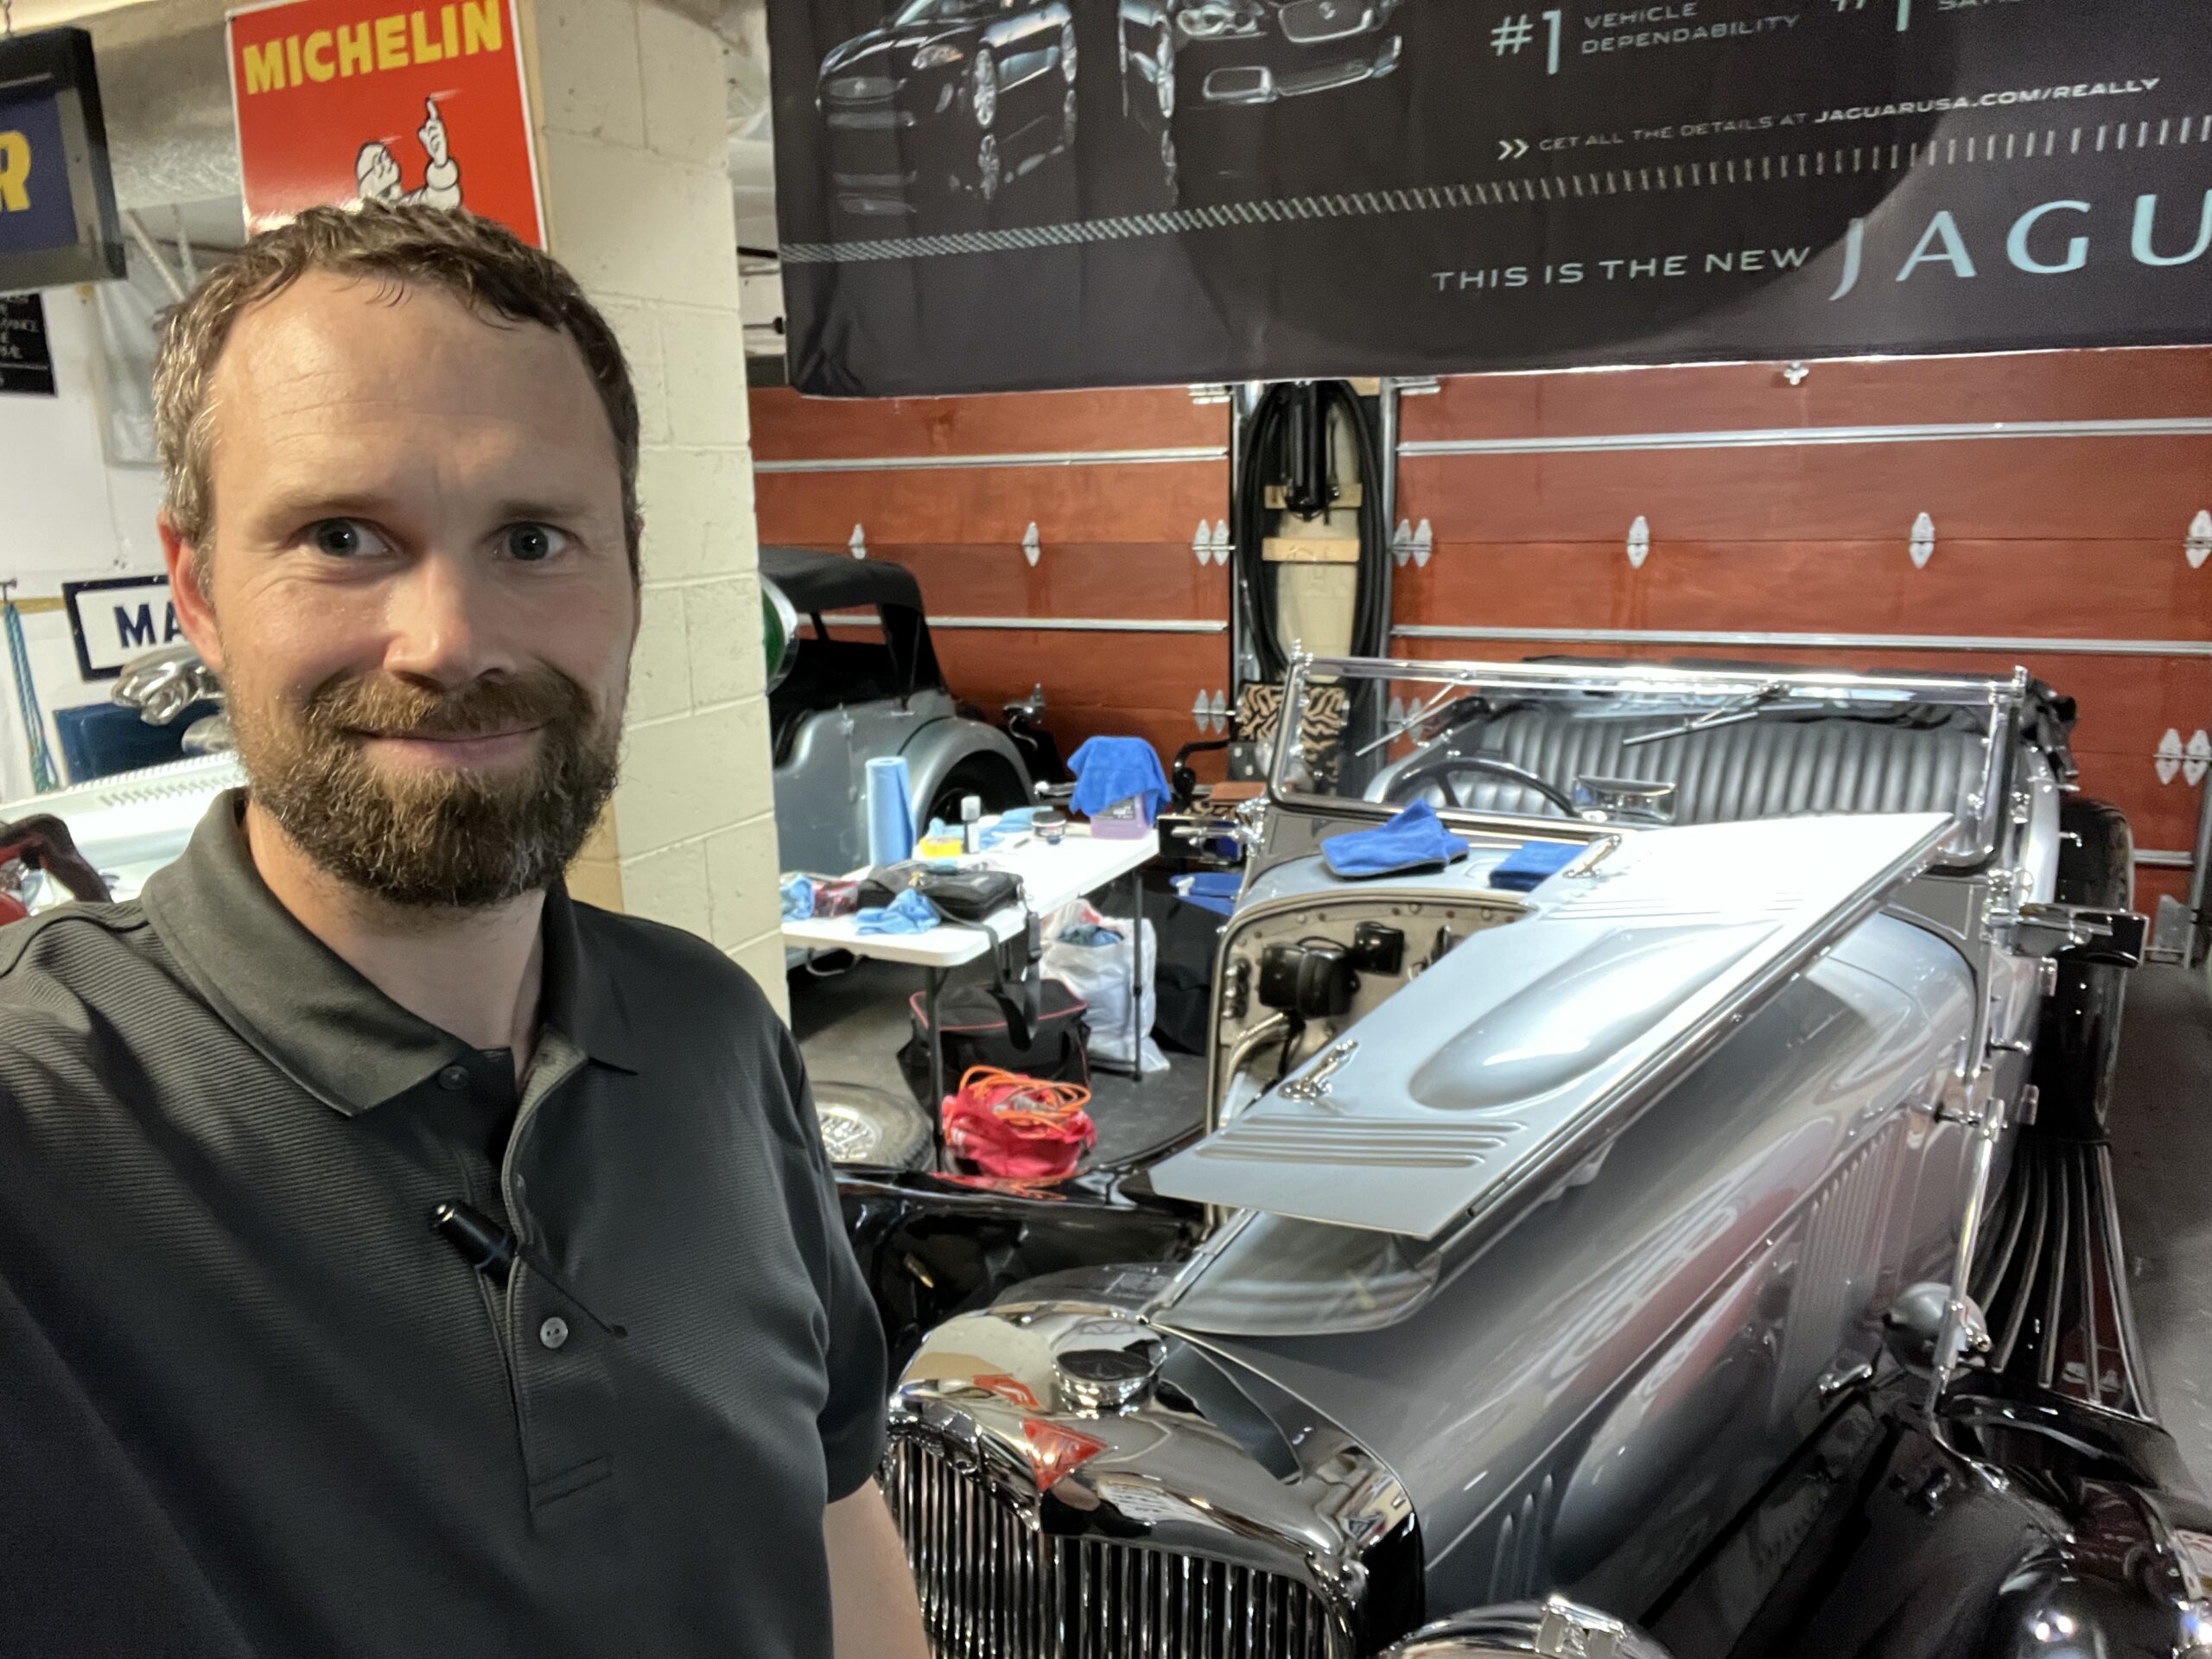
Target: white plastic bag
1099, 973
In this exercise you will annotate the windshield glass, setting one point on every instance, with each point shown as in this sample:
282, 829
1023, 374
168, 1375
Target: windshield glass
1277, 1276
1643, 743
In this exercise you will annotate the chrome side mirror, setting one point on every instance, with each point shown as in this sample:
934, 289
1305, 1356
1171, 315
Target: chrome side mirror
1555, 1627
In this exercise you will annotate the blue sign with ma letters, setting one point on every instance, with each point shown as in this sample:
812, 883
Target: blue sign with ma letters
58, 222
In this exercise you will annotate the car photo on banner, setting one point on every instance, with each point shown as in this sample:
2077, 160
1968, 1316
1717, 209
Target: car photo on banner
954, 95
1246, 52
947, 104
985, 195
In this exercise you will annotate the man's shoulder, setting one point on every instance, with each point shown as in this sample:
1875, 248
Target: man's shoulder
68, 941
641, 954
65, 975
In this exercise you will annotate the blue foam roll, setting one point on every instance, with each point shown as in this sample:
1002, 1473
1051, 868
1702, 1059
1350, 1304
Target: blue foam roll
890, 812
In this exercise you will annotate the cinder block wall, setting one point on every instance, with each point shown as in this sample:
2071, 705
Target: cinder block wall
632, 135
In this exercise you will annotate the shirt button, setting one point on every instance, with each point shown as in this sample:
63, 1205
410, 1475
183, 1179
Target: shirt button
554, 1331
454, 1077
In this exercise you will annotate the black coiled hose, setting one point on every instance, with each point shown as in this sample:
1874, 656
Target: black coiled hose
1278, 425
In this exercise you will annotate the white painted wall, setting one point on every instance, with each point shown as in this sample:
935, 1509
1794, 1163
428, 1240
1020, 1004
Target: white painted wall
67, 514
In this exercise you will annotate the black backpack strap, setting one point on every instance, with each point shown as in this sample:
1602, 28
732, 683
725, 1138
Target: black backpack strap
1017, 972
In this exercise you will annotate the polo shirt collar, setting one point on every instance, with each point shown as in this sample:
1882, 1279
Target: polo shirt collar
306, 1009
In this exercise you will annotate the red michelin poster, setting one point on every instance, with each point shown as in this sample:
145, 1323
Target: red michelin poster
346, 101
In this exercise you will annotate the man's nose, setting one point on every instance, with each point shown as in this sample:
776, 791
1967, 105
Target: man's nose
443, 624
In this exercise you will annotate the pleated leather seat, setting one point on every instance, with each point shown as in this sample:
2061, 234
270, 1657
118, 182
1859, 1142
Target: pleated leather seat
1764, 768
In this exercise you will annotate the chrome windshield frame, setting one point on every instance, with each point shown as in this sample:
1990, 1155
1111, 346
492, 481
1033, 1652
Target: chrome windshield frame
1981, 815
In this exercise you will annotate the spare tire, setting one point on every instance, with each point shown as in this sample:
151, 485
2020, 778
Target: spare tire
2077, 1040
872, 1128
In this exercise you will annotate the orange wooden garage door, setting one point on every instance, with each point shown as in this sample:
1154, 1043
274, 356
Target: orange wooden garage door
2060, 488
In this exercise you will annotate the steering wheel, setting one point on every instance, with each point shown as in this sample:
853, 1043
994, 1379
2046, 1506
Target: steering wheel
1438, 770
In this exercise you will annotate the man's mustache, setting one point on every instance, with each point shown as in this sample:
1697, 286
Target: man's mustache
352, 705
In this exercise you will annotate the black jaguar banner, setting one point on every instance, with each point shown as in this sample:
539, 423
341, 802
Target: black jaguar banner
1000, 193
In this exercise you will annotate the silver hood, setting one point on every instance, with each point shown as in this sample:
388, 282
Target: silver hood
1469, 1095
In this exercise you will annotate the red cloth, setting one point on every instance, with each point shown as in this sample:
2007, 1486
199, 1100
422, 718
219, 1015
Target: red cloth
10, 911
1016, 1128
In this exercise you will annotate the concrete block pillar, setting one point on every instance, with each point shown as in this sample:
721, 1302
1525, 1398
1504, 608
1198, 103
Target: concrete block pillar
630, 103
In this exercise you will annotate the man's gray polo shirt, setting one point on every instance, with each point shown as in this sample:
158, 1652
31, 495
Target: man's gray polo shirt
250, 1403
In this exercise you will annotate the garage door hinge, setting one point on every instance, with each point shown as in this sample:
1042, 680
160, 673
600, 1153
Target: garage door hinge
2198, 547
1639, 541
1410, 542
2187, 761
1923, 545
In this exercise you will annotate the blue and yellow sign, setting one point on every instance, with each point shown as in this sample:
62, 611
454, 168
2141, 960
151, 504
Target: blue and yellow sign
58, 222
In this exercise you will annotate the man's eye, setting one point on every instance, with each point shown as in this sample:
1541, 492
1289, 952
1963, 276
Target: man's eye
346, 538
531, 543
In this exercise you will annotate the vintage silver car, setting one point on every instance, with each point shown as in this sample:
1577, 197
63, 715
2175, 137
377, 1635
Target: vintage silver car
1716, 1233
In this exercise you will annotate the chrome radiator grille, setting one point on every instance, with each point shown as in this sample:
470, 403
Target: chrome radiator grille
994, 1588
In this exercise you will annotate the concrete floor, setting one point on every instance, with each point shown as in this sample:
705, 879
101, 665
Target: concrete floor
851, 1026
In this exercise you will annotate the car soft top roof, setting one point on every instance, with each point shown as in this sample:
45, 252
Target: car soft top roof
816, 582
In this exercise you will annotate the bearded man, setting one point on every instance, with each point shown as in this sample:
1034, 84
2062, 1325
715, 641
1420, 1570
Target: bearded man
398, 1257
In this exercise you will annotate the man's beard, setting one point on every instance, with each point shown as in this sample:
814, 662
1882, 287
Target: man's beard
445, 837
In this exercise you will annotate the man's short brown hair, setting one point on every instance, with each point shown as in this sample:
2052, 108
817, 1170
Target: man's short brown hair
486, 266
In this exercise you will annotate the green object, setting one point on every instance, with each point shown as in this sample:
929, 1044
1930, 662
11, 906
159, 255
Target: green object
778, 632
774, 640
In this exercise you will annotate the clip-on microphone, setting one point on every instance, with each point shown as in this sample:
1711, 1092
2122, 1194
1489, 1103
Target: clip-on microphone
492, 1251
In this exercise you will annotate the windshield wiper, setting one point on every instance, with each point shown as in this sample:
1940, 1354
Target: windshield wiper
1749, 707
1413, 719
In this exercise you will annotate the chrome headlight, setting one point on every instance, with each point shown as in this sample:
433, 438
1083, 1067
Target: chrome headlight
938, 56
1218, 20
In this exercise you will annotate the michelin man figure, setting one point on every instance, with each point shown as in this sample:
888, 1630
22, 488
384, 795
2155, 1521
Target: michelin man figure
376, 169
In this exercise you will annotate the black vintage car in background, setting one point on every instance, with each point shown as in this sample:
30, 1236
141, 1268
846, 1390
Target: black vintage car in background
948, 97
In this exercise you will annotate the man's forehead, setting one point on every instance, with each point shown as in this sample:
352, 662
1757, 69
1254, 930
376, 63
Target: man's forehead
330, 353
370, 328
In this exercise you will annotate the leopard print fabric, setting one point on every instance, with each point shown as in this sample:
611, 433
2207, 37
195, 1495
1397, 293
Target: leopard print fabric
1259, 718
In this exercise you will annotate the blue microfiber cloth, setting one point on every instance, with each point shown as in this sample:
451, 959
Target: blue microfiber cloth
1111, 769
1416, 840
1019, 821
798, 897
908, 913
1530, 862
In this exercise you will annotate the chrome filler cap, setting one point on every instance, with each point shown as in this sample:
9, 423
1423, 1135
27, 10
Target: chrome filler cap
1109, 1364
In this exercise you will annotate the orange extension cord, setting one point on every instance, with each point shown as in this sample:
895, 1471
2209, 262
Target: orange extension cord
1018, 1128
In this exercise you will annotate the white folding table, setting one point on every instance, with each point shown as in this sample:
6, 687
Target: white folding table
1051, 877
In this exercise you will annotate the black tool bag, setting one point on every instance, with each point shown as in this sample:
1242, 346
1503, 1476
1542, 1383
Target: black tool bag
977, 1033
970, 899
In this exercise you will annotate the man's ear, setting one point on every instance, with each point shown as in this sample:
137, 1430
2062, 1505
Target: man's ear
196, 611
